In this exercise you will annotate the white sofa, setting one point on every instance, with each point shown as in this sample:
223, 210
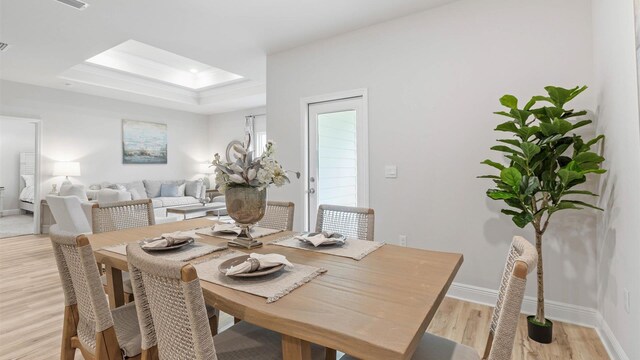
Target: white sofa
190, 192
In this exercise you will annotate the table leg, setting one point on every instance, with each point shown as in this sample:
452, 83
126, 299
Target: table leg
295, 349
114, 286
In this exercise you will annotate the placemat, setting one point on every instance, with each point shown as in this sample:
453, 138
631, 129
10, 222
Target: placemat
185, 253
272, 287
353, 248
256, 231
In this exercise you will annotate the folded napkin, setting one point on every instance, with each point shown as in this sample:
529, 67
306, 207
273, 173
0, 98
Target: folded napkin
320, 238
169, 239
257, 262
227, 228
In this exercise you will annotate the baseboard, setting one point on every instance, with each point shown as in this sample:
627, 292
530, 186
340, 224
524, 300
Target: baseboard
610, 341
10, 212
554, 310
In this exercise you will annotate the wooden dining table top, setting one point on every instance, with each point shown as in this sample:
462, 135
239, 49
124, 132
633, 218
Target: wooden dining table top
375, 308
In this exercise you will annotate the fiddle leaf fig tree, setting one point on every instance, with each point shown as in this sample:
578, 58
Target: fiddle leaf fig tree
546, 160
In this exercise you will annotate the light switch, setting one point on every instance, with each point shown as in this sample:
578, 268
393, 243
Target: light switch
391, 171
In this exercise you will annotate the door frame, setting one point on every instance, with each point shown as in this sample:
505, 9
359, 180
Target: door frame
37, 175
363, 139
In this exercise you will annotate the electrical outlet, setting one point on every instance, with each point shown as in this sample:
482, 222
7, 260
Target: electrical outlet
402, 240
627, 301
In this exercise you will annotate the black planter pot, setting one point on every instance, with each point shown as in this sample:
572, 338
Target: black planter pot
540, 333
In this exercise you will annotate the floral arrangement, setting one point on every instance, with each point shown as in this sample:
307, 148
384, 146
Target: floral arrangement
247, 171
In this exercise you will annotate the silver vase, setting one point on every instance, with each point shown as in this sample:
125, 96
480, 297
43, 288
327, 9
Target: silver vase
247, 206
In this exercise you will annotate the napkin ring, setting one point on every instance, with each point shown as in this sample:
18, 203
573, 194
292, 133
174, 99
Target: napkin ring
255, 264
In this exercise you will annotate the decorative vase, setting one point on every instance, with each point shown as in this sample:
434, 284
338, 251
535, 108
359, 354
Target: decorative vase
246, 205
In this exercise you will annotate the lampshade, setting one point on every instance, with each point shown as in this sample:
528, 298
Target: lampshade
66, 168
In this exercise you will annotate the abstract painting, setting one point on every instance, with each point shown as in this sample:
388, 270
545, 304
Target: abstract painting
144, 142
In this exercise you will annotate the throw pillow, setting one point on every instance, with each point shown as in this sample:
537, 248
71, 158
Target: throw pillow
74, 190
139, 188
135, 195
28, 180
169, 190
193, 188
106, 196
181, 189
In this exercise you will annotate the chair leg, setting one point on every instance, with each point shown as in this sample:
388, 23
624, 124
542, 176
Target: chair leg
213, 325
330, 354
69, 330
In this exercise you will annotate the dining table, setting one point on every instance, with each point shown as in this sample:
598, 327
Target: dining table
375, 308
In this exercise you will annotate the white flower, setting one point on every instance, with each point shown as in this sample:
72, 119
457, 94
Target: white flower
251, 174
236, 179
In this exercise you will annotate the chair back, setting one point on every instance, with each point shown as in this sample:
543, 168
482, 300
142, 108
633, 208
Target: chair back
122, 215
170, 307
279, 215
81, 284
521, 260
352, 222
69, 214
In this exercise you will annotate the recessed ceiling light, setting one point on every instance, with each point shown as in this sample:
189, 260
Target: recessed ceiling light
80, 5
194, 71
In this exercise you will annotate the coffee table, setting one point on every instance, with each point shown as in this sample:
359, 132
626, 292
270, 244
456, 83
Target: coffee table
194, 211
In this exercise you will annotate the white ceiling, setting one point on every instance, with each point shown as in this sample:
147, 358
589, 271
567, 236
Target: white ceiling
47, 39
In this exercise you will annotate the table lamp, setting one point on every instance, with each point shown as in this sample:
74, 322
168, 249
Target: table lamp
66, 169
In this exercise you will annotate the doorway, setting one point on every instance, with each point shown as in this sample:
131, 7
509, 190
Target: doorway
19, 176
337, 148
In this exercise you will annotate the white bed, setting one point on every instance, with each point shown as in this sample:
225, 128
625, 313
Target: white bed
27, 189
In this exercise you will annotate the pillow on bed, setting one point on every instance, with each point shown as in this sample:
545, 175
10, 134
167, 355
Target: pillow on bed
28, 180
74, 190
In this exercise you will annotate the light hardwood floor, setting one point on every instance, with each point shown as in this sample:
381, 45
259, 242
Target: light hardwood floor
31, 306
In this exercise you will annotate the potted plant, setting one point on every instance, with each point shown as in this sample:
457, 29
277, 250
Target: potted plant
546, 162
244, 184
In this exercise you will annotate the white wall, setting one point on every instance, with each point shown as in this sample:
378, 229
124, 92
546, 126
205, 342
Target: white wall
15, 137
434, 79
88, 129
619, 230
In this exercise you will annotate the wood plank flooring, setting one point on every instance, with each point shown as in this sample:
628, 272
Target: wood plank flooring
31, 307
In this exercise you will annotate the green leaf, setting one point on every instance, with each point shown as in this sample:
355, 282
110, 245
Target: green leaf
509, 212
488, 177
581, 124
499, 195
560, 96
529, 149
562, 205
509, 101
594, 171
522, 219
521, 116
567, 176
563, 161
588, 157
533, 184
511, 176
526, 132
513, 142
563, 126
582, 203
590, 143
579, 192
534, 100
518, 160
509, 126
570, 114
548, 129
505, 149
494, 164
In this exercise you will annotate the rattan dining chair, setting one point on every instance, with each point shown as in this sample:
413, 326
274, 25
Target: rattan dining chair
279, 215
521, 260
352, 222
122, 215
89, 325
119, 216
173, 316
